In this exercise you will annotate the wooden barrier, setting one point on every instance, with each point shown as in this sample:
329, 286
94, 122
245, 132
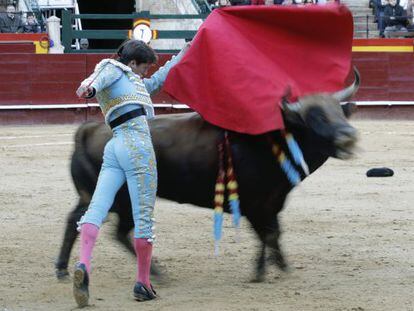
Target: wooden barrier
34, 79
39, 42
30, 80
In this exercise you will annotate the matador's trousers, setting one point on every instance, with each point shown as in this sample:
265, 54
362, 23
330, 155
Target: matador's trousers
128, 156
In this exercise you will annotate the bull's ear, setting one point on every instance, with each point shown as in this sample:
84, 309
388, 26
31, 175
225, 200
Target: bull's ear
349, 109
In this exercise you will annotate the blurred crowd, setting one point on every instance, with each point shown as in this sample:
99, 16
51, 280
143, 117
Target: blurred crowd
394, 17
13, 22
271, 2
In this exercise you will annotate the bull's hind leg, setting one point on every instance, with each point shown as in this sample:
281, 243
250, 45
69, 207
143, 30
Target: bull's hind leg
69, 238
122, 207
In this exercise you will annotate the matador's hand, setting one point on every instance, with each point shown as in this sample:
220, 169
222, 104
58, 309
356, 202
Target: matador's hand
83, 91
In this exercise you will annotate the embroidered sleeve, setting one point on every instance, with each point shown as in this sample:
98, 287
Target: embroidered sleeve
155, 83
105, 75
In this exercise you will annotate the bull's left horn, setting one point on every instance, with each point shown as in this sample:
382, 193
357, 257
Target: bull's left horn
347, 93
285, 102
294, 107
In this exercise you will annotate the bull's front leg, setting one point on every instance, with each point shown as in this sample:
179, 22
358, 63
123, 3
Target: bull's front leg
266, 225
69, 238
261, 264
272, 240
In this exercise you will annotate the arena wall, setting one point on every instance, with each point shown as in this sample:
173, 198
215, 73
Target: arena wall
41, 88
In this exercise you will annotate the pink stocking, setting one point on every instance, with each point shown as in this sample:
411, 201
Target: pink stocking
143, 249
89, 233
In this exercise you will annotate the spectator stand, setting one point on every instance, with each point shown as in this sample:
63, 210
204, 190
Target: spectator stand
69, 34
56, 7
47, 94
203, 6
25, 34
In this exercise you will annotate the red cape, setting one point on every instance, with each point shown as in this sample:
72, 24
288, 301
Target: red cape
243, 59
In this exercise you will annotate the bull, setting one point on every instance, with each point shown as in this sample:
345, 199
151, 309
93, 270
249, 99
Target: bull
187, 159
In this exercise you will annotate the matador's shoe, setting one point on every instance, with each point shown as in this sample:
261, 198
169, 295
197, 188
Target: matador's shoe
80, 285
143, 293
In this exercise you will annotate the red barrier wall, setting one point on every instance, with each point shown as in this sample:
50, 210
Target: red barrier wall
385, 76
38, 79
52, 79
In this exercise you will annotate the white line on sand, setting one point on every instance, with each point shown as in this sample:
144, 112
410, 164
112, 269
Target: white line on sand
33, 136
38, 145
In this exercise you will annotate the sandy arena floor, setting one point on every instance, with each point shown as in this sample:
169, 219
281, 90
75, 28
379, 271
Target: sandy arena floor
349, 239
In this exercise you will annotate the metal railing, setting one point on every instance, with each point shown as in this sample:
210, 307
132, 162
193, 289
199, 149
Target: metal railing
202, 6
69, 34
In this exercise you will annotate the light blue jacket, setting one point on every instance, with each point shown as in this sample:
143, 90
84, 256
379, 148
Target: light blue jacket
116, 85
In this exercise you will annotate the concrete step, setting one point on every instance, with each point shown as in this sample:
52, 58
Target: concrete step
362, 11
363, 34
356, 2
363, 27
357, 5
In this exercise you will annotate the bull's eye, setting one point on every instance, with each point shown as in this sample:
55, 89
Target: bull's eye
323, 119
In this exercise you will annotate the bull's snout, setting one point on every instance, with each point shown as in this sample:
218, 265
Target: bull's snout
345, 141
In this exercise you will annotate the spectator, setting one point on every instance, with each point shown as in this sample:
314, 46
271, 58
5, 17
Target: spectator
84, 44
10, 22
240, 2
258, 2
410, 15
395, 18
31, 25
379, 7
277, 1
403, 3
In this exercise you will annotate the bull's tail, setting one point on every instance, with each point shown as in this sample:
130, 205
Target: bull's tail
84, 171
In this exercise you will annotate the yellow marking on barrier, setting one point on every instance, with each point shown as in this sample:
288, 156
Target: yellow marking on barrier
39, 48
405, 49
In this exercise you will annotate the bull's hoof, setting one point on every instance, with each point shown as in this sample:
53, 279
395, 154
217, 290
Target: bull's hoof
62, 274
259, 277
280, 261
158, 273
155, 269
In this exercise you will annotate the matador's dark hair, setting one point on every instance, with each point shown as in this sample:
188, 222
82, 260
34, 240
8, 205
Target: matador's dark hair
136, 50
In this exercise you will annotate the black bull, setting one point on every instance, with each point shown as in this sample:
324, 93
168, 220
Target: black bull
187, 161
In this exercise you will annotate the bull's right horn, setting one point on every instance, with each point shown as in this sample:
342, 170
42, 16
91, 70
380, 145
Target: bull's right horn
347, 93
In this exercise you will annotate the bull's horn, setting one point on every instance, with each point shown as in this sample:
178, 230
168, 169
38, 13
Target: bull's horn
294, 107
347, 93
285, 103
